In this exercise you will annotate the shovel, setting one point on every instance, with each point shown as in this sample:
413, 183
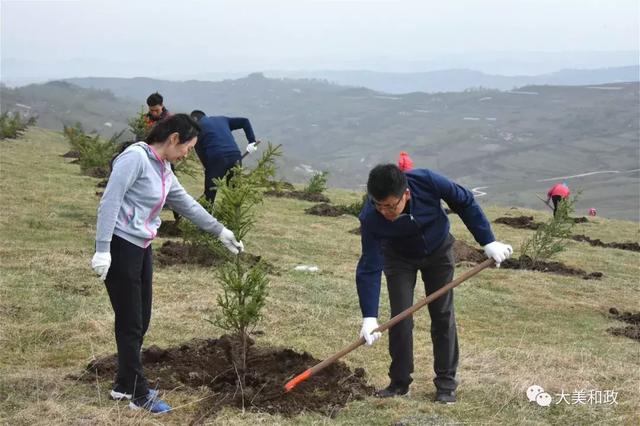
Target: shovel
387, 325
546, 203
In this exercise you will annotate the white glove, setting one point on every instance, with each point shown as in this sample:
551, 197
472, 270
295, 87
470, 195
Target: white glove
100, 264
498, 251
227, 238
251, 148
368, 325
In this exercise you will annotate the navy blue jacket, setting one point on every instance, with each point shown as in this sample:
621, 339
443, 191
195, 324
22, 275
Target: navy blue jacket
215, 136
416, 234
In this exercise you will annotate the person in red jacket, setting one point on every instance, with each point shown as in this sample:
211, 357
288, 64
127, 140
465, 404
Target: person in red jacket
405, 163
558, 192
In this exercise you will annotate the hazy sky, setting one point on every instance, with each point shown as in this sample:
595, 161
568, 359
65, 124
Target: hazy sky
191, 37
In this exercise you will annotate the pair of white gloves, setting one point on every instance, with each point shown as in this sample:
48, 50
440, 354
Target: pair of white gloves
102, 260
497, 251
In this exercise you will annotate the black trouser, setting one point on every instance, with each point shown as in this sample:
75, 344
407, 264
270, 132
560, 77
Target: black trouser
129, 286
436, 270
216, 167
556, 199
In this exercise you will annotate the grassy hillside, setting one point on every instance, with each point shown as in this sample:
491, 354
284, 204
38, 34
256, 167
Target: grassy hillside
516, 328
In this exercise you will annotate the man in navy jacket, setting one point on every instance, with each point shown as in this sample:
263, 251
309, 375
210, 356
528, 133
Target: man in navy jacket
405, 230
216, 147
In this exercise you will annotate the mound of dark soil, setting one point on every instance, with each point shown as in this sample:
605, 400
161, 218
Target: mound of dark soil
97, 172
524, 262
99, 193
598, 243
71, 154
169, 228
282, 185
215, 364
463, 252
299, 195
520, 222
526, 222
356, 231
178, 253
325, 209
102, 183
631, 331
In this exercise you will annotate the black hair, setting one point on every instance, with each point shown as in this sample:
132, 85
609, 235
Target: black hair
386, 180
182, 124
197, 115
155, 99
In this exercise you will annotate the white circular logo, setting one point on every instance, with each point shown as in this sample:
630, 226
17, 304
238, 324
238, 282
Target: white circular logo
543, 399
533, 391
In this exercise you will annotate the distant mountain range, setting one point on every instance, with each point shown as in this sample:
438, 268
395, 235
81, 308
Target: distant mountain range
458, 80
511, 144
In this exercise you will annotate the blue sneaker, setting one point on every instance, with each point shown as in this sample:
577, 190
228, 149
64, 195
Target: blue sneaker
154, 405
119, 394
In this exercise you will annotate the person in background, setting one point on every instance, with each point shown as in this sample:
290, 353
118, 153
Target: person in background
556, 193
157, 111
404, 231
405, 163
128, 220
217, 148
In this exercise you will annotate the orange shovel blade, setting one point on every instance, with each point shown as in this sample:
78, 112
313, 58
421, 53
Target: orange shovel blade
297, 380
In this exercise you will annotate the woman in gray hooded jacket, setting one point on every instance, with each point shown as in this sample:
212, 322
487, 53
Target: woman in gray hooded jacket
140, 184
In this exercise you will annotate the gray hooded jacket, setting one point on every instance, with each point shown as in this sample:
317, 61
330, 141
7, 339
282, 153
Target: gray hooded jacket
138, 188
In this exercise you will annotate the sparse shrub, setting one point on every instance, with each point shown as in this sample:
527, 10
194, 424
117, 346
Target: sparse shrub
13, 125
552, 237
317, 183
138, 125
95, 153
356, 207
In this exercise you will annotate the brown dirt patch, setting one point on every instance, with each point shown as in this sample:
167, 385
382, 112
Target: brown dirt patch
356, 231
520, 222
325, 209
526, 222
213, 363
598, 243
179, 253
99, 193
71, 154
299, 195
631, 331
524, 262
463, 252
97, 172
169, 228
102, 183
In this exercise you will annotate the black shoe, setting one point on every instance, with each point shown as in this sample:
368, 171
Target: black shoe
445, 396
393, 390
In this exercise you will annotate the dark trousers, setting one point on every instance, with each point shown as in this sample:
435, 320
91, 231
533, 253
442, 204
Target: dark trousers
129, 286
436, 270
556, 199
215, 167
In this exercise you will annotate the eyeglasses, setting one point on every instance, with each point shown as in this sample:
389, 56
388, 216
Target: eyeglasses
387, 207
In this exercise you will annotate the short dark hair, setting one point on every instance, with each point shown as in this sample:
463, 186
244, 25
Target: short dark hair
197, 115
386, 180
155, 99
184, 125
